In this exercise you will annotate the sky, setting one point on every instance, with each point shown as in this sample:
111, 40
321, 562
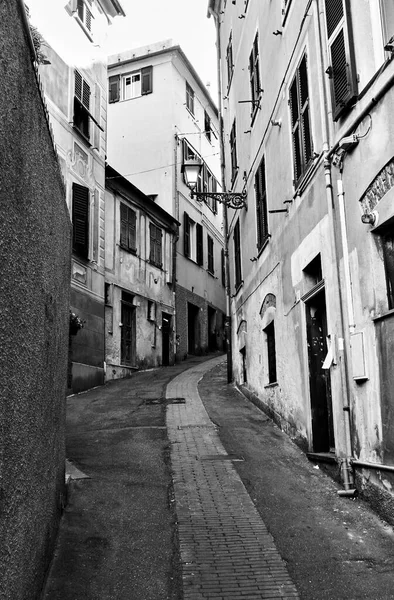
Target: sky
146, 22
183, 21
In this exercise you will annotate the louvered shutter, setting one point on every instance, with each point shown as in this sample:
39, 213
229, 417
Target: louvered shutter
304, 109
114, 89
261, 205
80, 219
295, 129
123, 225
200, 251
146, 80
186, 235
131, 242
223, 268
342, 70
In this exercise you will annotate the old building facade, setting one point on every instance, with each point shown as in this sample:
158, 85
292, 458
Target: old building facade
139, 287
160, 114
306, 98
74, 79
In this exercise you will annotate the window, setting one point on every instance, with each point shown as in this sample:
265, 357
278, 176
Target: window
237, 256
261, 205
342, 70
300, 121
223, 265
387, 11
254, 74
132, 85
199, 243
80, 219
155, 245
271, 352
81, 105
190, 98
84, 14
151, 316
188, 152
388, 258
211, 267
233, 152
193, 240
229, 61
127, 228
207, 125
128, 336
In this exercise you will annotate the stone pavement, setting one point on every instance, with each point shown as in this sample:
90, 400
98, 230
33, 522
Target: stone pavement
225, 549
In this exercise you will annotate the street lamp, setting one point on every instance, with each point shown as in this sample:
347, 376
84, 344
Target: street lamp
191, 170
235, 200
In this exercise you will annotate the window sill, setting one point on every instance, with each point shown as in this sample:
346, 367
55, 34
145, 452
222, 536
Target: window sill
193, 116
81, 135
211, 273
130, 250
239, 287
274, 384
387, 315
154, 264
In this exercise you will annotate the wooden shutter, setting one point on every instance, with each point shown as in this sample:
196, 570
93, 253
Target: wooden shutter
237, 255
304, 112
223, 268
261, 205
146, 81
80, 218
114, 89
200, 248
342, 70
123, 225
131, 241
295, 128
186, 236
210, 254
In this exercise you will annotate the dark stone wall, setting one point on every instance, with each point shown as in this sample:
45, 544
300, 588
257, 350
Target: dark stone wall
35, 245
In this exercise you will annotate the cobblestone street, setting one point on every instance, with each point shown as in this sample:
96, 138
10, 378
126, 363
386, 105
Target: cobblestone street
226, 550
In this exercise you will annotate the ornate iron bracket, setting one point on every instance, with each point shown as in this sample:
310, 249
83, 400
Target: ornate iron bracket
233, 200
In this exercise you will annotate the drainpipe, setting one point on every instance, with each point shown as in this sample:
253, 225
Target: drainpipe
228, 325
174, 246
346, 466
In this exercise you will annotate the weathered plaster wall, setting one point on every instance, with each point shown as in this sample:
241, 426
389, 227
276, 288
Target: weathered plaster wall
34, 303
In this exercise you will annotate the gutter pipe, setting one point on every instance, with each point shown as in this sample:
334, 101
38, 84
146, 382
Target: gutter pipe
362, 464
228, 325
346, 469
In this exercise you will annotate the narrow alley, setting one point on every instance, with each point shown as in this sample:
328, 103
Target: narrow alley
174, 497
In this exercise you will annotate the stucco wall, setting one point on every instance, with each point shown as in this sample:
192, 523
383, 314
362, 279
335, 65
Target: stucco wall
34, 303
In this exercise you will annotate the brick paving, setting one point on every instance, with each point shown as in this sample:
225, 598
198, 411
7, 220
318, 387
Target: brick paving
225, 549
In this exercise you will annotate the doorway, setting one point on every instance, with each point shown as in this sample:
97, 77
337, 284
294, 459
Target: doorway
192, 327
319, 379
166, 328
212, 345
128, 336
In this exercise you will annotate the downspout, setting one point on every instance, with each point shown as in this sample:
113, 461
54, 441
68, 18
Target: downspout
228, 325
174, 247
346, 466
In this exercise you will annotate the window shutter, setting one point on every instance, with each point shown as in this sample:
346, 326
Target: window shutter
295, 125
80, 218
132, 229
200, 248
114, 89
223, 268
186, 237
304, 105
261, 205
342, 71
146, 83
123, 225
